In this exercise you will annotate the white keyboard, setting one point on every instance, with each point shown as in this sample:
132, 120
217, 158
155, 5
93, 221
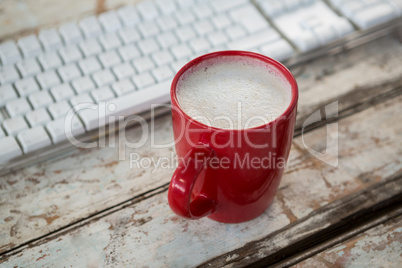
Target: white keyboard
128, 57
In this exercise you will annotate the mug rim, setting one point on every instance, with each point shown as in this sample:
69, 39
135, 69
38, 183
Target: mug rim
279, 66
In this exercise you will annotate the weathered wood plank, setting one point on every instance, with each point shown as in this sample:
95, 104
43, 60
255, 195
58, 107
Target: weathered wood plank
378, 247
148, 232
46, 197
323, 224
23, 17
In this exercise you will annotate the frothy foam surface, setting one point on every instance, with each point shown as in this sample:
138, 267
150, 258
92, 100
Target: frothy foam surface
233, 92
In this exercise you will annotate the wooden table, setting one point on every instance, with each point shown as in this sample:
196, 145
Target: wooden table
88, 209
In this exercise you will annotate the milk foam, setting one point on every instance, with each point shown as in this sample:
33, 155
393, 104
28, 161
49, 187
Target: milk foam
233, 92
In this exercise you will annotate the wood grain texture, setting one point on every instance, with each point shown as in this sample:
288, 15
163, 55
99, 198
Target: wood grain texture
148, 232
54, 194
377, 247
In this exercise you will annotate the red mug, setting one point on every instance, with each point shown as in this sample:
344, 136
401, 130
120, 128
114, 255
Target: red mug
238, 191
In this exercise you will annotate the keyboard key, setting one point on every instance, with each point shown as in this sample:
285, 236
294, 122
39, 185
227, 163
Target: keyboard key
255, 40
272, 8
7, 93
129, 52
89, 65
128, 15
143, 80
14, 125
70, 54
90, 27
40, 99
147, 9
38, 117
343, 27
162, 57
235, 32
9, 53
221, 21
166, 6
167, 39
312, 26
90, 47
8, 74
166, 23
70, 33
29, 45
28, 67
148, 29
249, 18
147, 46
129, 35
374, 15
203, 27
181, 51
325, 34
61, 92
223, 5
109, 21
123, 70
110, 41
50, 39
49, 60
83, 84
109, 59
33, 139
57, 130
17, 107
123, 87
184, 3
199, 45
217, 38
397, 5
9, 149
48, 79
185, 16
279, 49
26, 86
306, 42
185, 33
59, 109
102, 94
103, 78
69, 72
83, 98
163, 73
143, 64
202, 11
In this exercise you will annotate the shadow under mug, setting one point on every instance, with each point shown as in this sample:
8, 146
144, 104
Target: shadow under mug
254, 158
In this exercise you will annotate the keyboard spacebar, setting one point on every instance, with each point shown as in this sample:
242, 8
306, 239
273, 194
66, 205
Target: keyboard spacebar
133, 103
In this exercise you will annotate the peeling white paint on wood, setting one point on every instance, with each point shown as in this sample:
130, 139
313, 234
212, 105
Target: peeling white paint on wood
148, 232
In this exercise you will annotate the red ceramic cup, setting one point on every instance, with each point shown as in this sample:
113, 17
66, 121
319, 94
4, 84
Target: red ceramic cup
229, 175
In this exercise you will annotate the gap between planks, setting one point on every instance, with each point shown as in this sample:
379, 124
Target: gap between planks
379, 217
375, 247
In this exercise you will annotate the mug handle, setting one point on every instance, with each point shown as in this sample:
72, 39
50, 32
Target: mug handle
183, 181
